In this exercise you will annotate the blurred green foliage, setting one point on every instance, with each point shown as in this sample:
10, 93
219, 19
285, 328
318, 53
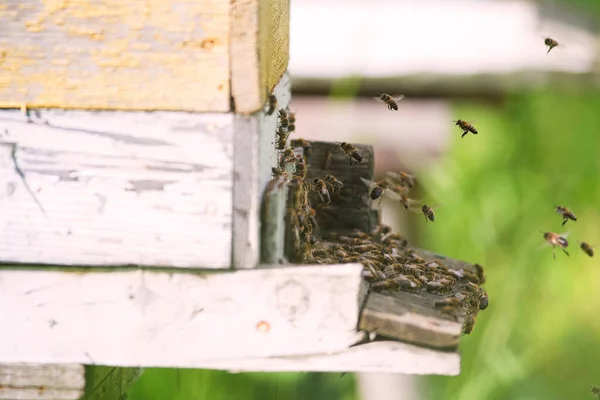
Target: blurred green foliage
540, 336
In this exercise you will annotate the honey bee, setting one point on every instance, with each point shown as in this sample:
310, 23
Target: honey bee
321, 189
305, 144
450, 301
466, 127
551, 43
272, 104
438, 288
281, 140
587, 249
469, 324
301, 169
428, 213
333, 182
378, 189
483, 301
284, 119
390, 101
353, 154
557, 240
277, 172
565, 213
403, 178
287, 157
480, 274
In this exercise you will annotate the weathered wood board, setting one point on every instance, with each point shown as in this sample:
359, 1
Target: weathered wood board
149, 318
183, 55
254, 156
377, 356
41, 382
116, 188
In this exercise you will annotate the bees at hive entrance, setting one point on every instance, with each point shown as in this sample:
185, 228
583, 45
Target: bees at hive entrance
353, 154
333, 182
551, 43
321, 189
403, 178
566, 214
466, 127
557, 240
378, 189
272, 104
390, 101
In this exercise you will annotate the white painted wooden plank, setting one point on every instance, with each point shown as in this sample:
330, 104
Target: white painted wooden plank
379, 356
117, 188
254, 156
177, 319
41, 382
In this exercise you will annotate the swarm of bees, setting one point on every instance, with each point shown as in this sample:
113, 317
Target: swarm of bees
560, 239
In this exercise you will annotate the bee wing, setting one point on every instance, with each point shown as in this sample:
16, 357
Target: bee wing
391, 194
368, 183
398, 97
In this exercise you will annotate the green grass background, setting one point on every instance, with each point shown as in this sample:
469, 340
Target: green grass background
540, 336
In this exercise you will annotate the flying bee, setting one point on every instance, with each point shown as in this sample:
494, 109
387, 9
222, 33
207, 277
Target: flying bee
390, 101
272, 104
565, 213
466, 127
551, 43
403, 178
428, 213
333, 182
557, 240
321, 189
378, 189
595, 390
353, 154
408, 203
587, 249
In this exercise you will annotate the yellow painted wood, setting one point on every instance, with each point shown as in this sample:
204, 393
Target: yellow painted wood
259, 50
183, 55
115, 54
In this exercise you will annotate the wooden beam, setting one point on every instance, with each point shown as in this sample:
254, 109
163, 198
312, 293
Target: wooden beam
413, 317
135, 55
107, 54
259, 50
41, 382
378, 356
177, 319
254, 156
109, 188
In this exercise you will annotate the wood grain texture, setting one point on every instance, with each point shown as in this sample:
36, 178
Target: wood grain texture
104, 382
350, 208
259, 50
272, 233
112, 54
177, 319
41, 382
107, 188
412, 317
254, 156
378, 356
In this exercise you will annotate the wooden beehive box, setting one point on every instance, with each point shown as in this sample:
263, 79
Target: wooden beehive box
139, 224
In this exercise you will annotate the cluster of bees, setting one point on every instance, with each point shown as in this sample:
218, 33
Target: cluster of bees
390, 264
560, 240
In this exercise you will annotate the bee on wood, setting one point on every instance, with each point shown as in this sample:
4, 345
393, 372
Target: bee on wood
301, 169
272, 104
286, 159
281, 140
390, 101
469, 324
551, 43
466, 127
353, 154
480, 274
333, 182
565, 213
450, 301
277, 172
483, 301
284, 120
321, 189
438, 288
403, 178
305, 144
557, 240
587, 249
